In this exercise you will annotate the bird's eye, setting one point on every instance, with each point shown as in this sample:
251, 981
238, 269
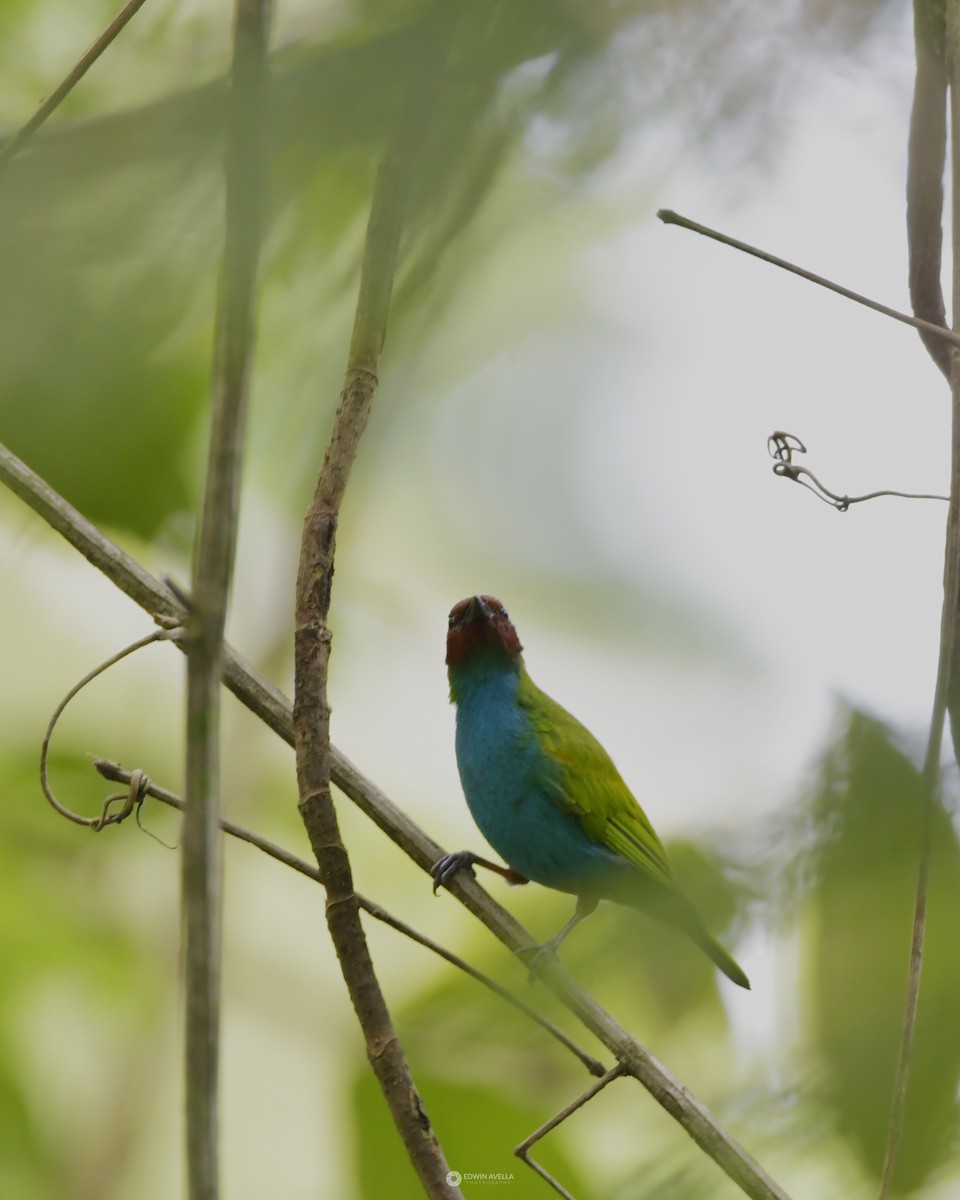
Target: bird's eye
451, 620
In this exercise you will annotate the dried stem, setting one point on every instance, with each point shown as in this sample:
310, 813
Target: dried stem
16, 143
926, 157
216, 542
950, 630
123, 571
311, 715
948, 678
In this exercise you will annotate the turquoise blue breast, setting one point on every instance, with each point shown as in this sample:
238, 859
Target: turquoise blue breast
510, 781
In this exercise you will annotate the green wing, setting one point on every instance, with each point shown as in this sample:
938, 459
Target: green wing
591, 788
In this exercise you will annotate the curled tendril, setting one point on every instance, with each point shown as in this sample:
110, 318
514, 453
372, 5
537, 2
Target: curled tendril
782, 446
129, 801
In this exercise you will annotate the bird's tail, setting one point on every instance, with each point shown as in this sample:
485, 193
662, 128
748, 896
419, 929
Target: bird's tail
669, 905
726, 962
675, 909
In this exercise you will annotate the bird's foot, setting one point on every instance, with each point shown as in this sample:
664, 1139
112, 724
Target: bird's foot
444, 869
536, 957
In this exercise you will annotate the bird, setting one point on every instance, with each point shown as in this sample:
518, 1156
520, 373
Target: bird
546, 795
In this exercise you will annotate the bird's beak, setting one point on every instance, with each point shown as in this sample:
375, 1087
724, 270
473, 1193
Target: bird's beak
478, 610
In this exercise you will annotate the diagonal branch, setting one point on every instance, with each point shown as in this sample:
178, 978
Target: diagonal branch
215, 547
162, 602
267, 702
142, 787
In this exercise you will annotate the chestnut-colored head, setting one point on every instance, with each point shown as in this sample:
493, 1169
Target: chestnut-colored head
479, 625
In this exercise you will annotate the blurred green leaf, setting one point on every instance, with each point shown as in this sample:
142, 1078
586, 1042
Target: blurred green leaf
111, 227
478, 1127
69, 951
868, 810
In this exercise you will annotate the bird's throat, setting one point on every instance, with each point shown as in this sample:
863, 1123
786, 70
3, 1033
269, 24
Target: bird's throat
489, 672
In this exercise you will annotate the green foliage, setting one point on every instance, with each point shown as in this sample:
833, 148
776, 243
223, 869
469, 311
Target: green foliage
67, 956
478, 1127
869, 812
111, 226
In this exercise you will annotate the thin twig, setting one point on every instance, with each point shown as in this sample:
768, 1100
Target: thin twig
651, 1073
593, 1065
105, 817
947, 335
266, 701
782, 446
15, 144
215, 548
522, 1151
146, 787
948, 676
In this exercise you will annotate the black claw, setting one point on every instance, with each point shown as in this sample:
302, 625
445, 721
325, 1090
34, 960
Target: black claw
444, 869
